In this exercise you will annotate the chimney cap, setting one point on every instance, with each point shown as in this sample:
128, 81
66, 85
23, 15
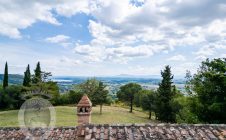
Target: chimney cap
84, 102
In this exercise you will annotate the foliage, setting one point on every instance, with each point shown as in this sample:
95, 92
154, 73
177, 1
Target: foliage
27, 77
6, 76
10, 97
209, 87
165, 105
148, 101
101, 95
71, 97
41, 84
128, 92
88, 87
37, 77
137, 98
188, 84
96, 91
45, 76
50, 88
186, 113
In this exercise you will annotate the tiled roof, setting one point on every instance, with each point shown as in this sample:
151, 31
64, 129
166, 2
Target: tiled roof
85, 102
126, 132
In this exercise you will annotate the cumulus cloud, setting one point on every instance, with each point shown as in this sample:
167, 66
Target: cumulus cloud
57, 39
18, 14
117, 54
62, 40
177, 58
124, 28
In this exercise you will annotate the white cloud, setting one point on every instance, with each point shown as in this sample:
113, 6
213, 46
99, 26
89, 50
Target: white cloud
122, 31
181, 68
57, 39
121, 28
62, 40
223, 56
155, 22
204, 52
116, 54
177, 58
144, 70
17, 14
71, 7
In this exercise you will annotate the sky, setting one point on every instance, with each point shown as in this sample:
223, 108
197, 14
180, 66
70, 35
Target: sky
111, 37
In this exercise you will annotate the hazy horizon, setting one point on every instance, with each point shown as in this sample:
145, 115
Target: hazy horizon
120, 76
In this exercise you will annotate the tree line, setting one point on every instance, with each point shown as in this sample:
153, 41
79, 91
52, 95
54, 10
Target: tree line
203, 102
161, 102
11, 96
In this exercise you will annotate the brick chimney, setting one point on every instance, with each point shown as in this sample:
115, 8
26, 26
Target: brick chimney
84, 109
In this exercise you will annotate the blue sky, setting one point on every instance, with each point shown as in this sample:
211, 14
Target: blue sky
111, 37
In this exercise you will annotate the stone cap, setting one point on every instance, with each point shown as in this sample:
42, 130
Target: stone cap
84, 102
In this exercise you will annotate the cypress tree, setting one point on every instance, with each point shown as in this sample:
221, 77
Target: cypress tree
27, 77
38, 74
165, 95
6, 76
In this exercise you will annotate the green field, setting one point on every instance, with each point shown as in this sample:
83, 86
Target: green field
66, 116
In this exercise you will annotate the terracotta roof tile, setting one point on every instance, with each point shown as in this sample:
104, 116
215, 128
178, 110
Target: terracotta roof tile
85, 102
125, 132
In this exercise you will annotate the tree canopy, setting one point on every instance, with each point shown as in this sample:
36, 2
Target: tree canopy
164, 97
127, 93
148, 101
27, 77
96, 90
6, 76
209, 87
37, 74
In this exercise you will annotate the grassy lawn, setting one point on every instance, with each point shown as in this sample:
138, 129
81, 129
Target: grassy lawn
66, 116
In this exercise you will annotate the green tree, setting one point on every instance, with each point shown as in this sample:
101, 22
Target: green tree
50, 88
164, 99
37, 74
74, 97
96, 90
42, 84
188, 85
127, 93
138, 97
148, 101
27, 77
186, 113
89, 87
10, 97
209, 87
101, 95
6, 76
45, 76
